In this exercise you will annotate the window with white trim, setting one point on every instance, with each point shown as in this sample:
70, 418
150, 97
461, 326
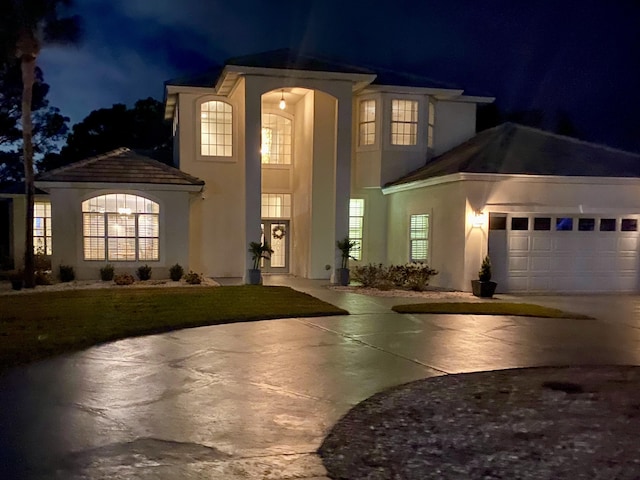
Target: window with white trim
356, 224
276, 205
419, 238
120, 227
42, 228
276, 139
216, 127
404, 122
367, 121
431, 127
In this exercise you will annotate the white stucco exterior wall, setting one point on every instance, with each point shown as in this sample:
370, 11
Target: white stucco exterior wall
455, 123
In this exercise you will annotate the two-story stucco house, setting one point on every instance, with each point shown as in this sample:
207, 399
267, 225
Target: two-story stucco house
308, 151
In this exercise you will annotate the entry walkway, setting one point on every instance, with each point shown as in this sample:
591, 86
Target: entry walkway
254, 400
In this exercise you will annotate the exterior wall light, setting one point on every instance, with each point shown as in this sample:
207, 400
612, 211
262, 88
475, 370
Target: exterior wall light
282, 105
479, 219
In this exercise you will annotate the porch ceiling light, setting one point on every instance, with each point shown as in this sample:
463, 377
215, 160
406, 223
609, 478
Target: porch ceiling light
282, 103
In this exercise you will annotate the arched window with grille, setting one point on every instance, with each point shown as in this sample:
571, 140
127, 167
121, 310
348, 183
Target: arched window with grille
121, 227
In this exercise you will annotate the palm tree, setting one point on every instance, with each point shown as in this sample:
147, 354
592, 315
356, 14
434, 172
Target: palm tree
25, 26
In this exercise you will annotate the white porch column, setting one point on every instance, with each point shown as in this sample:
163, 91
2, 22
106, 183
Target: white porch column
252, 169
342, 170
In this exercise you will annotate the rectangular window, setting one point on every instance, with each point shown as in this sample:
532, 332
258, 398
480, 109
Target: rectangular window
419, 238
629, 225
519, 223
216, 129
432, 123
356, 224
542, 223
564, 224
42, 228
586, 224
497, 222
607, 224
276, 205
367, 122
404, 122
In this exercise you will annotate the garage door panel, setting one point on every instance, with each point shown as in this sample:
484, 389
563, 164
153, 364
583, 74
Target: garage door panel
627, 263
518, 284
565, 242
628, 244
519, 244
539, 283
540, 264
606, 242
518, 264
541, 244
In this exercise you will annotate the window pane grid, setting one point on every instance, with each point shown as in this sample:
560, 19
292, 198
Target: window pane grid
356, 226
120, 227
404, 122
419, 238
367, 122
216, 129
276, 205
276, 139
42, 228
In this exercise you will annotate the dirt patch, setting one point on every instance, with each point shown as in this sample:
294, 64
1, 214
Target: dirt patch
538, 423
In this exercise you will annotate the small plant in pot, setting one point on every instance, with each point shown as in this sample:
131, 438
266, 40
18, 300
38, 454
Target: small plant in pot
484, 287
258, 252
345, 246
17, 279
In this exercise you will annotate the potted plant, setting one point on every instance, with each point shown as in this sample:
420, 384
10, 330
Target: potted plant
484, 287
258, 252
342, 273
17, 279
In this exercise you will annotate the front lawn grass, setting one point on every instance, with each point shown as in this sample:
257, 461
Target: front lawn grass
39, 325
488, 308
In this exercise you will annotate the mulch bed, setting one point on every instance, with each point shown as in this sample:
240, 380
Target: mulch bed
535, 423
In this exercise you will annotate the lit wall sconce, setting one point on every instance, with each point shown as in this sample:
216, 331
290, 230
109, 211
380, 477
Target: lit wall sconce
479, 219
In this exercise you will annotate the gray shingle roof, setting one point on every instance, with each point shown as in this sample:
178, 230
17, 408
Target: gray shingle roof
516, 149
120, 166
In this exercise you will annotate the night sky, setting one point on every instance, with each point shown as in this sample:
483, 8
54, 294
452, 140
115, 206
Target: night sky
579, 56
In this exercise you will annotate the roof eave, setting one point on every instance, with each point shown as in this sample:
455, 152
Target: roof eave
131, 186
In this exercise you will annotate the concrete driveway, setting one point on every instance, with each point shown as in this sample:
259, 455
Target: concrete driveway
254, 400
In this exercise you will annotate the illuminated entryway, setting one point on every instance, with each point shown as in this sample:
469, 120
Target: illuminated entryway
276, 211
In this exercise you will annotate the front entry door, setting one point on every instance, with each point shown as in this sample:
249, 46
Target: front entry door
277, 234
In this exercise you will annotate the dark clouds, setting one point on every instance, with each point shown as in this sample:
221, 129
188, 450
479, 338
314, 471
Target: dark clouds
583, 57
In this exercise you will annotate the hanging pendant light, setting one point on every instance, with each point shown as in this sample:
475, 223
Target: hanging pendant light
282, 103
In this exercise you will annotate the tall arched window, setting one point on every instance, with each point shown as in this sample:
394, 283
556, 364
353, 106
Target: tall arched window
120, 227
276, 139
216, 129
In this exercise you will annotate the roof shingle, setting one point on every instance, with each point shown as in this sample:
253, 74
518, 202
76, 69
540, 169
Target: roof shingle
120, 166
516, 149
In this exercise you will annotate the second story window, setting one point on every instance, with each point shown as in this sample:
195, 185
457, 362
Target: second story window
404, 122
216, 137
367, 122
432, 123
276, 139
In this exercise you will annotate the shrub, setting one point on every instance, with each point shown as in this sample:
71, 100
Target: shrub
418, 275
67, 274
123, 279
193, 278
484, 275
370, 275
41, 262
176, 272
43, 278
107, 272
144, 272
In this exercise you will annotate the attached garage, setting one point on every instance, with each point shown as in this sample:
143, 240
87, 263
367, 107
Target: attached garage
554, 214
534, 253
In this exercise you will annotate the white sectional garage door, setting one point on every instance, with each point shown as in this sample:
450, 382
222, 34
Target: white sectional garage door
551, 253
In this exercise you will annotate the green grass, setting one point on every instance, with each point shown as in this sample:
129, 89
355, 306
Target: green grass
39, 325
488, 308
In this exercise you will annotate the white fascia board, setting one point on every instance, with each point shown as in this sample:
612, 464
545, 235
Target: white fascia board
468, 99
120, 186
356, 78
171, 97
499, 177
442, 93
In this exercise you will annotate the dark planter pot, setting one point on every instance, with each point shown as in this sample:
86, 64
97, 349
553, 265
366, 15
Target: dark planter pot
254, 276
16, 284
483, 289
342, 276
